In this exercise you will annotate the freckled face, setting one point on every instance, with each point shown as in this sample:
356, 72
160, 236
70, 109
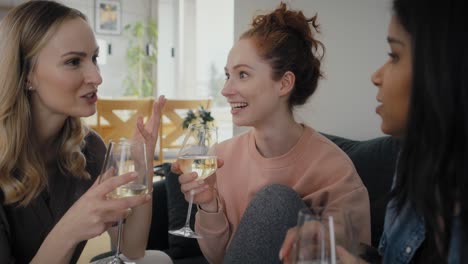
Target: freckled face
394, 80
65, 75
249, 86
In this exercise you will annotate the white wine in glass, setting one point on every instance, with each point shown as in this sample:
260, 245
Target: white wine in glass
197, 155
204, 166
125, 156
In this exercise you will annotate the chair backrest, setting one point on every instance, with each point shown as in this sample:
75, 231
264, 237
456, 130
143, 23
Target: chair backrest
171, 131
116, 118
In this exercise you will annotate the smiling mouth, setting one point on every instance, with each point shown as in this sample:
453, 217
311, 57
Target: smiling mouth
238, 105
89, 95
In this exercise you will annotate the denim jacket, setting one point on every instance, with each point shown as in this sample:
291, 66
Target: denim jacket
404, 234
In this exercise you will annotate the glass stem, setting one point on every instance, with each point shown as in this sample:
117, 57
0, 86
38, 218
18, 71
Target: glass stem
189, 211
119, 238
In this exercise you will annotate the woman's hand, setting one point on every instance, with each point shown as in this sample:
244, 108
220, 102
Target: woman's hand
204, 190
149, 134
94, 213
287, 247
149, 131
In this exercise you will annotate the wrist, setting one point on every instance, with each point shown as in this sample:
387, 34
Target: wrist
56, 248
59, 236
211, 207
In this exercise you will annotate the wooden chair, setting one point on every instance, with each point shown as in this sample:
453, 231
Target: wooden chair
171, 132
116, 118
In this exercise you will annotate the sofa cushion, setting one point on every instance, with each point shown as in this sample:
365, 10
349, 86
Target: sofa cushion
375, 162
169, 212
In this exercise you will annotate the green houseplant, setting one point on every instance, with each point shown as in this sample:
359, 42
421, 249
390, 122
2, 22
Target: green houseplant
141, 57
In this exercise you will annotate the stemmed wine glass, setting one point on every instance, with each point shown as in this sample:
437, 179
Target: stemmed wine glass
197, 155
123, 157
318, 235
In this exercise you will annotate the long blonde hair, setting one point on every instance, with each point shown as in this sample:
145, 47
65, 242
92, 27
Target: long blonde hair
23, 33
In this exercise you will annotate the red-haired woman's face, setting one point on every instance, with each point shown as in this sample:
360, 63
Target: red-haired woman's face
394, 80
250, 90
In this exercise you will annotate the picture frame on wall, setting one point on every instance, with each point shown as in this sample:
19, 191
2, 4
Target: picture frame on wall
108, 17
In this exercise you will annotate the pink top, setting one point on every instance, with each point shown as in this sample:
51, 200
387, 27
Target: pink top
314, 165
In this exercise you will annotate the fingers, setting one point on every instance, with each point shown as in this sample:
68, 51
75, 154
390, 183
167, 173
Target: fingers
104, 176
112, 217
192, 185
157, 110
220, 163
125, 203
288, 243
197, 193
149, 131
141, 128
109, 185
187, 177
175, 168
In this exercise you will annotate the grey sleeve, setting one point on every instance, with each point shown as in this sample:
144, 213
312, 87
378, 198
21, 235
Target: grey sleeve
5, 250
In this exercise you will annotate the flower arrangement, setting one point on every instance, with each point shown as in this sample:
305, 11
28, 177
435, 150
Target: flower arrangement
201, 116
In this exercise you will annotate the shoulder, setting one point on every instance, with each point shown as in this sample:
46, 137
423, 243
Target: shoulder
94, 144
233, 145
94, 151
326, 164
323, 149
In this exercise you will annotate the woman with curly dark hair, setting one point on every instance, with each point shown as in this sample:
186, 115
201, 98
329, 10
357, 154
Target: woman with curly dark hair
423, 91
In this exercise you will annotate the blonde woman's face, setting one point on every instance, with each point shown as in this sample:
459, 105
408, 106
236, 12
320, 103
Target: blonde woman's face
65, 76
394, 80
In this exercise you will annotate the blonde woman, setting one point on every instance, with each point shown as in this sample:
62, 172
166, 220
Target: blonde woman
51, 203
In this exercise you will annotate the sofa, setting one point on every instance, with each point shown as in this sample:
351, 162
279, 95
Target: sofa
374, 160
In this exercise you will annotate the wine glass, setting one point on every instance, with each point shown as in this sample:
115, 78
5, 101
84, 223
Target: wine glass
123, 157
319, 234
196, 155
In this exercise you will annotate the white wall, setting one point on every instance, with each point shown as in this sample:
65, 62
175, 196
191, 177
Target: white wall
354, 34
115, 70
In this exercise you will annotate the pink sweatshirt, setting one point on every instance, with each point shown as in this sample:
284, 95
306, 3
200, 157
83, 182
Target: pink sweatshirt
314, 165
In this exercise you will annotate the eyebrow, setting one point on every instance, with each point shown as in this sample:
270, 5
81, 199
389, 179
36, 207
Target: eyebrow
238, 66
392, 40
79, 53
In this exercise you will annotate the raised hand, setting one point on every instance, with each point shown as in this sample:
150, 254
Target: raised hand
94, 213
149, 131
204, 190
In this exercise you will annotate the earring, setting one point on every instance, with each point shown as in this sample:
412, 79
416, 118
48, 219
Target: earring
30, 87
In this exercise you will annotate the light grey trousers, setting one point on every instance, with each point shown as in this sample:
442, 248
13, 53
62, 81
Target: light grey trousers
263, 226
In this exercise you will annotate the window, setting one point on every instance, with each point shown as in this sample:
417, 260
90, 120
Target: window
194, 39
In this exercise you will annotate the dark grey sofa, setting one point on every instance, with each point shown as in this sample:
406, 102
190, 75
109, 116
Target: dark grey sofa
374, 160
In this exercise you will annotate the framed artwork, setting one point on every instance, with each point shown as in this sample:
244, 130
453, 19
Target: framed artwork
108, 17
